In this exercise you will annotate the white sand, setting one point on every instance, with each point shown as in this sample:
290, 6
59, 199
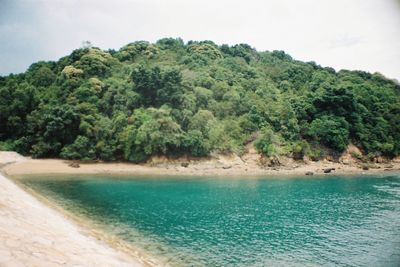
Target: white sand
32, 234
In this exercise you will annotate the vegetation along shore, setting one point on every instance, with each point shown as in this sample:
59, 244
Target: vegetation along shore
196, 99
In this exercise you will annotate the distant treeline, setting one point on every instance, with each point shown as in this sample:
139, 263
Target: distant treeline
175, 98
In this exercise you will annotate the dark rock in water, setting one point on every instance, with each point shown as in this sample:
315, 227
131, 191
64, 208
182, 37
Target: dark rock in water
185, 164
329, 170
227, 167
309, 173
74, 165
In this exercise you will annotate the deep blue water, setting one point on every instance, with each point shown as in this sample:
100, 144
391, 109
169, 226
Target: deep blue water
318, 221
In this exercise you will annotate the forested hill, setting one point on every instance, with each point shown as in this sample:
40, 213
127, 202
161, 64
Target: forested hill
175, 98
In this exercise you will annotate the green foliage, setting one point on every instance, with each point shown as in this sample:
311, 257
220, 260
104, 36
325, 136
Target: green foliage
170, 43
300, 149
200, 121
220, 139
133, 50
41, 76
51, 127
95, 62
153, 132
331, 131
268, 142
195, 143
7, 145
156, 87
195, 98
81, 148
16, 102
72, 76
356, 155
206, 50
316, 152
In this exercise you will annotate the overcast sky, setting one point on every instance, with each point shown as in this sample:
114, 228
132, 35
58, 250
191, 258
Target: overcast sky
350, 34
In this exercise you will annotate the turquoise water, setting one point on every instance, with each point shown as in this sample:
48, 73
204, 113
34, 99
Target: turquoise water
319, 221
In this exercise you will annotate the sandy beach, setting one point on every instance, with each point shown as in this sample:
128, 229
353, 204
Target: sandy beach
229, 165
34, 234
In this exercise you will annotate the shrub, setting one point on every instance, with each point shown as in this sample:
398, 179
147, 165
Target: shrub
80, 149
268, 142
331, 131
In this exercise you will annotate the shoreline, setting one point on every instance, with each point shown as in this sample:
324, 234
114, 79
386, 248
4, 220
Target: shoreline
220, 167
36, 233
89, 228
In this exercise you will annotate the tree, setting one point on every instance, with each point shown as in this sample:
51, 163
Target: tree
268, 142
146, 83
153, 132
95, 62
44, 77
52, 127
200, 121
195, 143
81, 148
157, 88
171, 98
331, 131
16, 102
170, 91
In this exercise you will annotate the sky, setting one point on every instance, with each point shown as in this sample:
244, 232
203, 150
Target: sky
343, 34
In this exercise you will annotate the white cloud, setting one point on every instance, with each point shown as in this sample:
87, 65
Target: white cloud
356, 34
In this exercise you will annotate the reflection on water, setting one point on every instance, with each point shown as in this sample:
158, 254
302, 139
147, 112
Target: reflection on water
335, 221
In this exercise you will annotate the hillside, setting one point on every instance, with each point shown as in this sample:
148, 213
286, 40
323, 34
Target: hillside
174, 98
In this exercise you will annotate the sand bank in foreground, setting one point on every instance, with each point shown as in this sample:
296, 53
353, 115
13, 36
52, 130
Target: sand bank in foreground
32, 234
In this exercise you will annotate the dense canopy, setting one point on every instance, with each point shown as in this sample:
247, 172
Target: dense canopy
175, 98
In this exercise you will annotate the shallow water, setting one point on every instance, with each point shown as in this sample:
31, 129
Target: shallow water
318, 221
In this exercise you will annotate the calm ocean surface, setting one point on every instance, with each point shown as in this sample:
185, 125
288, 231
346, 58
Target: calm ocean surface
318, 221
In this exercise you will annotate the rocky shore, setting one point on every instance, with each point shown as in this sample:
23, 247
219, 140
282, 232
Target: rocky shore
249, 164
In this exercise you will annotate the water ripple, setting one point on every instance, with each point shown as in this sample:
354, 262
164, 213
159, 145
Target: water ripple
337, 221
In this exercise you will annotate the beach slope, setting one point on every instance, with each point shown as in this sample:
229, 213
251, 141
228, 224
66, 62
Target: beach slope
32, 234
